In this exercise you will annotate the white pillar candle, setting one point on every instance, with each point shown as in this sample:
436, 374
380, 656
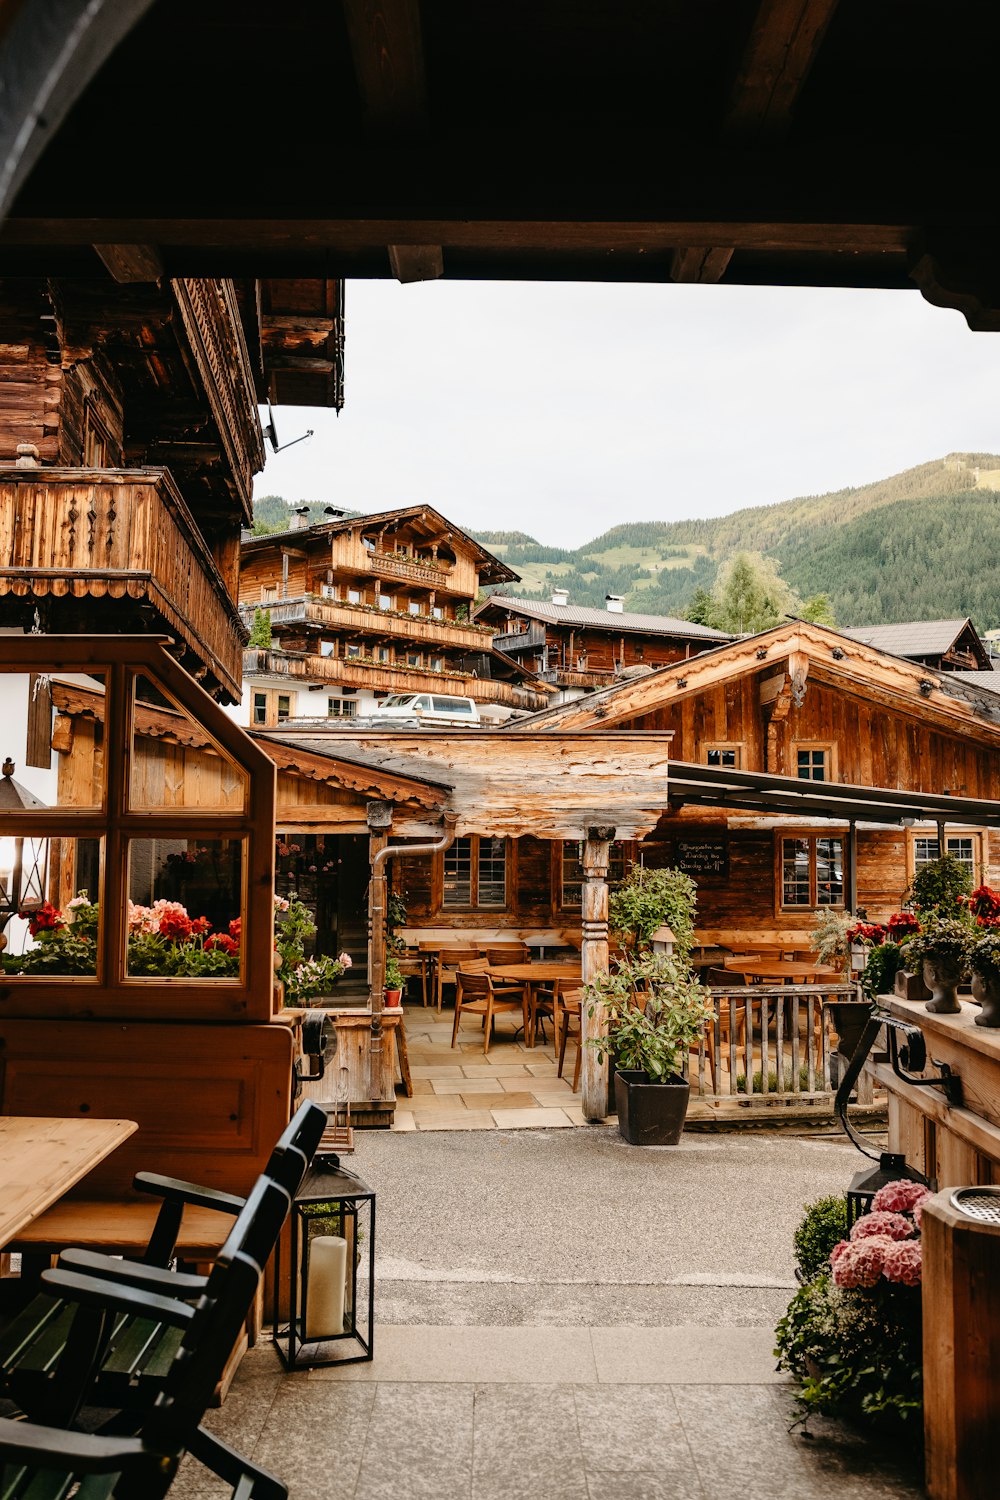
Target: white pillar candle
327, 1285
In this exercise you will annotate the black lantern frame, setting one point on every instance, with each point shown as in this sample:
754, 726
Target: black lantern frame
335, 1205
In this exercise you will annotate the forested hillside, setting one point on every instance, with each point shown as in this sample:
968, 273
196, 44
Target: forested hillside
917, 545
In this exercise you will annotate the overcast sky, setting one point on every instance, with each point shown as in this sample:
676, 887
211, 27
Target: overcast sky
562, 410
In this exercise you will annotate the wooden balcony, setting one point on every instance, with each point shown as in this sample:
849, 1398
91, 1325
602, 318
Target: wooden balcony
320, 671
116, 551
408, 570
583, 677
514, 641
363, 619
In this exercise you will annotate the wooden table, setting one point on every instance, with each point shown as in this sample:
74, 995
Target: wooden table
546, 971
782, 970
41, 1158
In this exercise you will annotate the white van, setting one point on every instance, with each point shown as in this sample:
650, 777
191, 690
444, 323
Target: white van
431, 708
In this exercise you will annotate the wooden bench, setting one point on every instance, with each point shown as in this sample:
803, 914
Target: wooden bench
210, 1101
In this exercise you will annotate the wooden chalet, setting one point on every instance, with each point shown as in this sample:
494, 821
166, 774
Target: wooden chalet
578, 649
947, 645
129, 437
365, 606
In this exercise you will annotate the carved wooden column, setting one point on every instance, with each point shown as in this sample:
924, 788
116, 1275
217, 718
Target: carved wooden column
379, 824
595, 961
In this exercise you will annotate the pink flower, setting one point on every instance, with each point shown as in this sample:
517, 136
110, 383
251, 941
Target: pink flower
280, 904
861, 1263
838, 1251
346, 960
918, 1214
899, 1197
903, 1263
893, 1226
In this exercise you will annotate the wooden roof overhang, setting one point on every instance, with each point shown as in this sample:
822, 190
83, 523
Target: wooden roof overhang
552, 786
786, 796
707, 142
801, 652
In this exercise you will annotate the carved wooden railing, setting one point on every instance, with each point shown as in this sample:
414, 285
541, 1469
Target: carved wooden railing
368, 620
380, 677
79, 534
532, 639
768, 1042
388, 566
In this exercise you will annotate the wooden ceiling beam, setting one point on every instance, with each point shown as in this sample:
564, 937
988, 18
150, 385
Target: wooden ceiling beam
131, 263
387, 48
784, 41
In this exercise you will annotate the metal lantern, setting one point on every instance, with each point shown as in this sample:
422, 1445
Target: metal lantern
662, 941
331, 1317
865, 1184
23, 861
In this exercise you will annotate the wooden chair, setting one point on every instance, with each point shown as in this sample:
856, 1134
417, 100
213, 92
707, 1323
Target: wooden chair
53, 1357
569, 1007
449, 961
476, 993
48, 1461
508, 953
415, 965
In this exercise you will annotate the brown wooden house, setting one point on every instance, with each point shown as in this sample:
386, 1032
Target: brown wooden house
578, 649
947, 645
365, 606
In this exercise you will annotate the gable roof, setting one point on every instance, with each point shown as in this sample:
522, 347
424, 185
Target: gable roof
601, 619
492, 569
913, 638
945, 698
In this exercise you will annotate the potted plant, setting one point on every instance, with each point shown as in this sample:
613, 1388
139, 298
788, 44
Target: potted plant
648, 899
393, 981
655, 1011
984, 961
942, 948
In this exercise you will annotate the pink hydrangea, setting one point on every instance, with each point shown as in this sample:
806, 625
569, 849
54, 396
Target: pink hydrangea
862, 1261
893, 1226
903, 1263
838, 1251
918, 1214
899, 1197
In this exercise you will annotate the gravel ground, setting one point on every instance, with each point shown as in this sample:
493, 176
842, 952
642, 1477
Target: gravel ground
576, 1227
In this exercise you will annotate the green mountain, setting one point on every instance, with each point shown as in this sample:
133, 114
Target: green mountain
919, 545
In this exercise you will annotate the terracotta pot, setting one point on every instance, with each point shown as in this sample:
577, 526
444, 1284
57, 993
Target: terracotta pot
392, 999
987, 992
942, 977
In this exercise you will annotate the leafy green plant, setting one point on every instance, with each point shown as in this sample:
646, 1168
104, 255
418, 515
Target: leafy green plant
757, 1081
648, 899
655, 1012
984, 956
940, 885
823, 1226
393, 973
879, 975
948, 939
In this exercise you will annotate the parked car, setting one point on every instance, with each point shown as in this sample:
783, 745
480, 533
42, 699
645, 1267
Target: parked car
434, 708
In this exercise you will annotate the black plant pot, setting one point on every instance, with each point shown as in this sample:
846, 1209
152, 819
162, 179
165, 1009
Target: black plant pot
651, 1114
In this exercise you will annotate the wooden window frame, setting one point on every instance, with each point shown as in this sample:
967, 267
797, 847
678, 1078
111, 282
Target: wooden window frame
627, 847
116, 994
510, 876
827, 746
979, 836
96, 428
722, 746
841, 832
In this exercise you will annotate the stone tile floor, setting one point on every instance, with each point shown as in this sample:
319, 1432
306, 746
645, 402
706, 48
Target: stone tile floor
372, 1438
514, 1087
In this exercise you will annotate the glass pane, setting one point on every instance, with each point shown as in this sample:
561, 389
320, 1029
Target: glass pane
830, 872
722, 758
572, 874
458, 874
53, 741
924, 850
795, 872
492, 872
176, 762
963, 849
811, 765
185, 907
49, 895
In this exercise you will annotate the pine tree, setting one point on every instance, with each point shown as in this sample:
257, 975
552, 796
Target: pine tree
260, 630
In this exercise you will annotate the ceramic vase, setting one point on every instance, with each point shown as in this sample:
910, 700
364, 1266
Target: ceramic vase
987, 992
941, 976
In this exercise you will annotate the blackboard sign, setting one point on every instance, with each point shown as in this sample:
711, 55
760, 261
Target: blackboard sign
706, 858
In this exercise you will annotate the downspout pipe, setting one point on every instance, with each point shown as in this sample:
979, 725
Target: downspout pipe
444, 842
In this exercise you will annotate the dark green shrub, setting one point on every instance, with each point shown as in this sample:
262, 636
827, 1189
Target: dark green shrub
823, 1226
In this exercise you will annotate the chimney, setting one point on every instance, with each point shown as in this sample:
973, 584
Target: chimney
560, 596
614, 603
300, 517
331, 513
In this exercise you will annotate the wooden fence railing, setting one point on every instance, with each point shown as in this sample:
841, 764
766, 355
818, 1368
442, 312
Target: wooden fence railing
767, 1041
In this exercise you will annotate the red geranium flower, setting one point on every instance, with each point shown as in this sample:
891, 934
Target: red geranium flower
236, 929
201, 925
175, 926
45, 918
985, 903
902, 924
219, 942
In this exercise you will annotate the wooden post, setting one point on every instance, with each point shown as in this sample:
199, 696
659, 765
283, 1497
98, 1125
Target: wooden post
379, 824
961, 1303
595, 961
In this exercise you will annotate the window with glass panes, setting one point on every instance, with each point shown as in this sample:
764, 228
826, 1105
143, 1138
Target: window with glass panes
812, 763
723, 756
961, 846
475, 873
812, 871
260, 708
571, 870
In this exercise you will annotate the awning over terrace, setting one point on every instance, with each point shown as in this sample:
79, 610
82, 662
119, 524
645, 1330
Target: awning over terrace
757, 791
